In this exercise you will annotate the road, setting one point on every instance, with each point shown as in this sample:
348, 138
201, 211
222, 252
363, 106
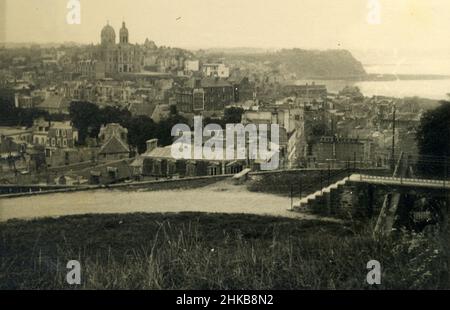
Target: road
221, 197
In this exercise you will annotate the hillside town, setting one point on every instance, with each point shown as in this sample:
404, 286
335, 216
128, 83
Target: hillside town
229, 152
135, 92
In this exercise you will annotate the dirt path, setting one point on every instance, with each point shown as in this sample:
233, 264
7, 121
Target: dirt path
222, 197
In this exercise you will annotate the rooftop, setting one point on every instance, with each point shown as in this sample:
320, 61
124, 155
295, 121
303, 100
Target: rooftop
11, 131
114, 146
209, 82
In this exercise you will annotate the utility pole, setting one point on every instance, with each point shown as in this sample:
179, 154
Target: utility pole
393, 137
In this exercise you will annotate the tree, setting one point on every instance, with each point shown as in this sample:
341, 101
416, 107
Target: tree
140, 129
173, 109
233, 115
86, 117
26, 117
7, 108
12, 116
319, 130
115, 115
164, 128
433, 140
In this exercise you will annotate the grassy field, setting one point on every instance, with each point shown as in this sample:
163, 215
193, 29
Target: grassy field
205, 251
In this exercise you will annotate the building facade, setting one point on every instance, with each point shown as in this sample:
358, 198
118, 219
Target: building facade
216, 70
207, 94
121, 57
114, 143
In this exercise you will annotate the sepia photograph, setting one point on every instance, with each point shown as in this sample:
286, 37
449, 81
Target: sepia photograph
224, 146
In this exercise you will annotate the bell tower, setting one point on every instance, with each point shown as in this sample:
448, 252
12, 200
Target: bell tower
123, 34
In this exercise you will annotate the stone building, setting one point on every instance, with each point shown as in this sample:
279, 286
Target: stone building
207, 94
113, 140
243, 89
307, 91
159, 162
215, 70
342, 151
290, 119
91, 69
58, 140
59, 135
121, 57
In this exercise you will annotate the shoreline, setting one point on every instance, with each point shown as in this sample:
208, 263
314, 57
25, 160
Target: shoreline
381, 77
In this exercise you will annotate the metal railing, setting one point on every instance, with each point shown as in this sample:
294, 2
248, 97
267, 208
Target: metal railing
401, 180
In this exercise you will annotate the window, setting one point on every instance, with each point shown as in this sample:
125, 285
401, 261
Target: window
212, 170
157, 168
112, 172
190, 170
171, 168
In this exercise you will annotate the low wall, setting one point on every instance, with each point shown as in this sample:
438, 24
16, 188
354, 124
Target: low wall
300, 182
29, 189
311, 175
170, 184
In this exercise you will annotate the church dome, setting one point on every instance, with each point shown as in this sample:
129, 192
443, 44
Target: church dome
108, 35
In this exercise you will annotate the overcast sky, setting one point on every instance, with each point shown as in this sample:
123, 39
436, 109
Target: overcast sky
405, 24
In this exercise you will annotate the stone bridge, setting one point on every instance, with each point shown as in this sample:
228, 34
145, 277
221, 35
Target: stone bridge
363, 194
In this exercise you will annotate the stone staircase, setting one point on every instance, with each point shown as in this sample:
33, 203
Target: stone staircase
321, 198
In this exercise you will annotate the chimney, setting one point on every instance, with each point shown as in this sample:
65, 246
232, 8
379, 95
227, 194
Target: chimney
152, 144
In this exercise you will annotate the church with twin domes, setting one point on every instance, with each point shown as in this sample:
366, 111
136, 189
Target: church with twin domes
122, 56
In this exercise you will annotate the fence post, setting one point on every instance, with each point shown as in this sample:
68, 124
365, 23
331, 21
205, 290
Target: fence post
300, 188
446, 171
292, 197
329, 174
447, 203
321, 181
348, 168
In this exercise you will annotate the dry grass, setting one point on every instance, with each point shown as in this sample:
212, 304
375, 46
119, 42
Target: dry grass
205, 251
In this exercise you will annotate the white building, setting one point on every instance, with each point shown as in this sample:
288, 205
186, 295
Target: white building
216, 70
191, 65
